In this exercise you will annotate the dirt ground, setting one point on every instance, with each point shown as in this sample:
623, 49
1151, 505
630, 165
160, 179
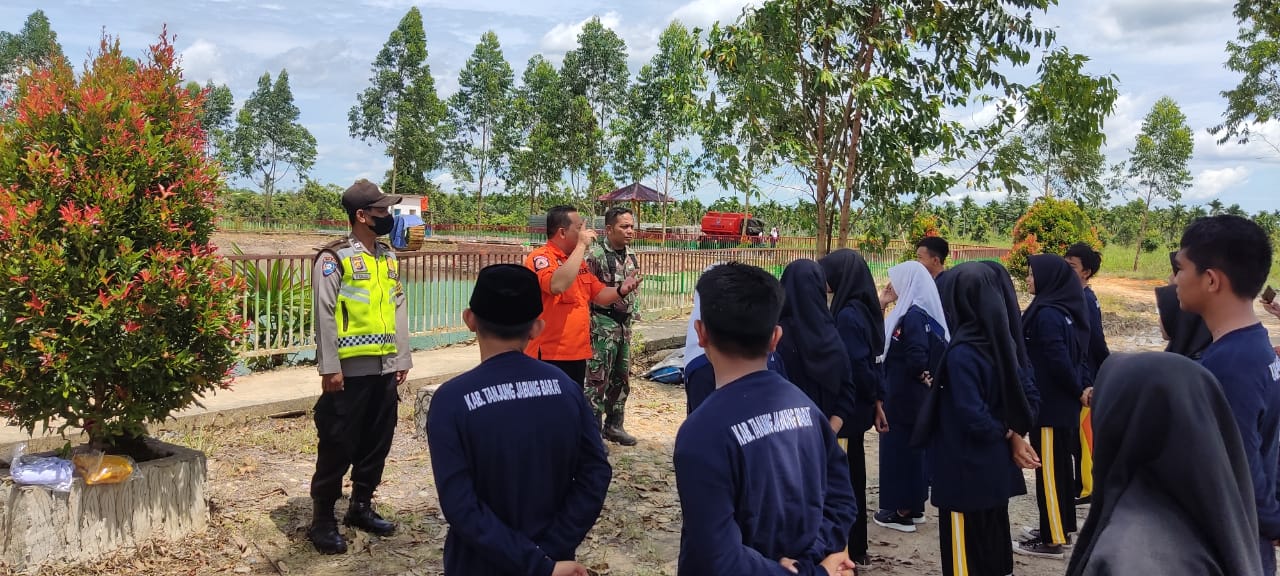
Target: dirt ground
259, 475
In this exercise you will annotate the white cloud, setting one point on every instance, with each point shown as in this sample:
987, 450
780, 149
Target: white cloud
979, 196
1123, 126
203, 60
445, 181
1263, 146
703, 13
564, 37
1214, 182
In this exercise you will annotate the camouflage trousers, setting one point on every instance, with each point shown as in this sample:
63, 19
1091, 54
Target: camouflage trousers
609, 369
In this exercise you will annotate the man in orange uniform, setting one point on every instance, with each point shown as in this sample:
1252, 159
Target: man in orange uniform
568, 289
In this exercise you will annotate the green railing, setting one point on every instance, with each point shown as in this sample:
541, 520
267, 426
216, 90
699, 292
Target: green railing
438, 287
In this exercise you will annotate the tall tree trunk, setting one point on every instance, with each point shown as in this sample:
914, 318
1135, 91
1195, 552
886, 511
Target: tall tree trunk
855, 137
395, 155
395, 167
1142, 230
666, 194
484, 155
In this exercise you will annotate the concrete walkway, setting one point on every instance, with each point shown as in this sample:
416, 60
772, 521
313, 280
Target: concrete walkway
296, 389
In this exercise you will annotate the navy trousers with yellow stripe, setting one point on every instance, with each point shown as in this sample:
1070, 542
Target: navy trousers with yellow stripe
1055, 482
975, 543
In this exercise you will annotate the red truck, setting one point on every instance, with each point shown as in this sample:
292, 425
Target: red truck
730, 229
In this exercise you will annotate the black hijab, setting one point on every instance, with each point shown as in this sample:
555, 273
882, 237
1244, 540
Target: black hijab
1187, 332
983, 322
1164, 433
1057, 286
809, 333
850, 279
1011, 308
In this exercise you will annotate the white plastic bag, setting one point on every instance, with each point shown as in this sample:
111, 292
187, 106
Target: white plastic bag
48, 471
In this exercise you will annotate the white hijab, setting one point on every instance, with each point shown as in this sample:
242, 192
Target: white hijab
915, 287
691, 348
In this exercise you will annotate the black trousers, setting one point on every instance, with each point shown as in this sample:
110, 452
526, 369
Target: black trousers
355, 426
855, 451
576, 369
1055, 482
975, 543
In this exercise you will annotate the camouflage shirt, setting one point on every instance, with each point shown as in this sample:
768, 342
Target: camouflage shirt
612, 267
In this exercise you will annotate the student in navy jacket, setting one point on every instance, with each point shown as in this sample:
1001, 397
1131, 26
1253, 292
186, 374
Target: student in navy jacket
915, 337
976, 431
855, 305
1056, 328
810, 346
1085, 262
764, 488
1026, 373
699, 377
518, 462
1173, 490
1222, 264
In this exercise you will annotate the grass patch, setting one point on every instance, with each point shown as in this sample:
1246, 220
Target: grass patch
292, 437
203, 439
1117, 261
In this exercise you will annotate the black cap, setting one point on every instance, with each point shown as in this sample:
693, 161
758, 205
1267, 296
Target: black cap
506, 295
366, 194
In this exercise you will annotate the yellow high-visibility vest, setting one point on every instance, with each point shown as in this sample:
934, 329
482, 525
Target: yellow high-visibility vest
366, 313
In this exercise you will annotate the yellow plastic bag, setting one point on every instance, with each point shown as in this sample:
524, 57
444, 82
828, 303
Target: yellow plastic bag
99, 468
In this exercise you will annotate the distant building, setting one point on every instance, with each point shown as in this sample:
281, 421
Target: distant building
410, 205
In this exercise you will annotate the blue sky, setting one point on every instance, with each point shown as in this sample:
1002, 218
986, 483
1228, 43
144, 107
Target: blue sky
1156, 47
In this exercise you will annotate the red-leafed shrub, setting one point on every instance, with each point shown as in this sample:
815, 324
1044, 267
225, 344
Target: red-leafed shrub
923, 226
115, 310
1050, 226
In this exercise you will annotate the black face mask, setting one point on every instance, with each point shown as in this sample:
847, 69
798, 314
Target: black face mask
382, 225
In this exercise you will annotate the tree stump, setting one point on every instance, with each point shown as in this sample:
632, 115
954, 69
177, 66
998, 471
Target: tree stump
420, 406
165, 500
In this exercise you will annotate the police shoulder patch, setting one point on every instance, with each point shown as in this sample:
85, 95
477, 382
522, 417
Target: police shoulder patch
540, 262
329, 266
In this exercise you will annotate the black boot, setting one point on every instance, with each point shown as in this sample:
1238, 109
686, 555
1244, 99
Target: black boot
323, 533
361, 515
614, 432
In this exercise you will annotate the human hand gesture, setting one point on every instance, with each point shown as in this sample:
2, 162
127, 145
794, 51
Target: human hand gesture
882, 422
1023, 454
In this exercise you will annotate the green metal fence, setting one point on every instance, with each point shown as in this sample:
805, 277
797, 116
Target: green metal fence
439, 284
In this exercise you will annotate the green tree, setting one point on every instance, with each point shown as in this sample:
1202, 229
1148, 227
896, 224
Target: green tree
1157, 166
852, 93
268, 142
581, 146
597, 70
216, 115
1060, 142
35, 46
483, 96
532, 133
664, 108
1255, 54
400, 108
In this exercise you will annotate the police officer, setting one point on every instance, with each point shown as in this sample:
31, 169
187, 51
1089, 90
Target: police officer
362, 349
609, 371
519, 467
568, 288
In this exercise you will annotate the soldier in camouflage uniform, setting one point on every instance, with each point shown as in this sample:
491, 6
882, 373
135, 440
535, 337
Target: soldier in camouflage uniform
609, 370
